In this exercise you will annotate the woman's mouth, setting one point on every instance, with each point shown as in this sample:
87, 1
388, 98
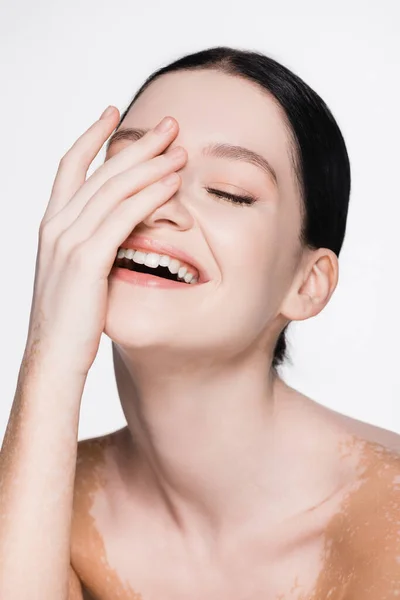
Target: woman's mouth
156, 265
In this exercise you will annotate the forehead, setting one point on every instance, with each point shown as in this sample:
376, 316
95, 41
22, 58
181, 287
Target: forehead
210, 105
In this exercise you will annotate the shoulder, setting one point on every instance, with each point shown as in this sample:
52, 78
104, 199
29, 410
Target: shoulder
95, 459
361, 554
370, 522
94, 466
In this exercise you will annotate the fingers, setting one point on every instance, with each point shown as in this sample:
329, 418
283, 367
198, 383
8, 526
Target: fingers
149, 146
100, 249
73, 166
122, 186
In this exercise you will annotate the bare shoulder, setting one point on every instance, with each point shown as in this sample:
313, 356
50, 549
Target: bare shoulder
94, 467
362, 544
374, 521
366, 529
95, 462
375, 453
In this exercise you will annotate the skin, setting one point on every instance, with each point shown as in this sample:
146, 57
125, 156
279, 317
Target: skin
226, 482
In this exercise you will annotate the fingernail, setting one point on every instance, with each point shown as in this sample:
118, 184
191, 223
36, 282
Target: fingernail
177, 152
165, 125
109, 110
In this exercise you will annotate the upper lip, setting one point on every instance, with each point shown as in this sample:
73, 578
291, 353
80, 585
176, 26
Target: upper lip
141, 242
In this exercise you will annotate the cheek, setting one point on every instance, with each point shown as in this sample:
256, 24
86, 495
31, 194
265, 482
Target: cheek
255, 257
248, 243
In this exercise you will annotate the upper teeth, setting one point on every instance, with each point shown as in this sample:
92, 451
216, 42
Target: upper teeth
151, 259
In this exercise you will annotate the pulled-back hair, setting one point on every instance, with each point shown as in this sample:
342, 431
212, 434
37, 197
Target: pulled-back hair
320, 160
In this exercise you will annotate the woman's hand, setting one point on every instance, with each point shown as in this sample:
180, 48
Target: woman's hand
84, 224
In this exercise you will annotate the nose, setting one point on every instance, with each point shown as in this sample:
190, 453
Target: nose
173, 213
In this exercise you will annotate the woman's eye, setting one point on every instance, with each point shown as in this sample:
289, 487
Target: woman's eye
232, 197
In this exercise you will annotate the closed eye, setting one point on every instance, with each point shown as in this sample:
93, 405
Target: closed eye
232, 197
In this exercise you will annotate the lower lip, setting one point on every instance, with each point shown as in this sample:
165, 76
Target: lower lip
146, 280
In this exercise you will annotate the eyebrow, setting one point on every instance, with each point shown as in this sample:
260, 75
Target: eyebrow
219, 150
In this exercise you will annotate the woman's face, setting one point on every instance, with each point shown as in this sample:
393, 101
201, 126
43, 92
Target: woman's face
250, 252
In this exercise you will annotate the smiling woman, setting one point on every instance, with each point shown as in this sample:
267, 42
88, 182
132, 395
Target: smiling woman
215, 221
318, 156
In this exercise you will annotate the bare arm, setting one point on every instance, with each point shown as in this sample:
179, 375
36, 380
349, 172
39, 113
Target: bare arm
85, 223
37, 466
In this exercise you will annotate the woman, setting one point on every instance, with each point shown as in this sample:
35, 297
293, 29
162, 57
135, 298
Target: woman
203, 235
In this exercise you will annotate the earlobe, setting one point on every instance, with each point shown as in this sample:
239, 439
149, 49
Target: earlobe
313, 287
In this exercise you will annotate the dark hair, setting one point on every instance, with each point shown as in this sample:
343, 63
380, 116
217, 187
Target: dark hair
320, 160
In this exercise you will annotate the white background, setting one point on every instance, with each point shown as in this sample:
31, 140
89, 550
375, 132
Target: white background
63, 62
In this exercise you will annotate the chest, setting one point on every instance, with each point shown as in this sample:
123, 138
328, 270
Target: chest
147, 562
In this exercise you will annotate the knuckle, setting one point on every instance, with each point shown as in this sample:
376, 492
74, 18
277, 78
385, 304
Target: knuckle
120, 184
44, 227
47, 231
63, 246
65, 160
110, 185
79, 257
71, 155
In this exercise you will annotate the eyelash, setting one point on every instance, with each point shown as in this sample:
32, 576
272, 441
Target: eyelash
238, 200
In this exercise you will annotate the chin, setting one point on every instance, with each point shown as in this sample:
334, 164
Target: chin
178, 325
131, 328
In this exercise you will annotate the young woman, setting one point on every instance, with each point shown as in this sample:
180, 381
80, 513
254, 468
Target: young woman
216, 219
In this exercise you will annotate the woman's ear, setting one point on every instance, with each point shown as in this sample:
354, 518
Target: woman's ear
313, 285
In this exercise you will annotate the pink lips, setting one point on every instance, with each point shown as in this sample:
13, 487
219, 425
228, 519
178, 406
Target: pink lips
141, 242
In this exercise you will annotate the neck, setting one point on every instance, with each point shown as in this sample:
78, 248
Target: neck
210, 442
